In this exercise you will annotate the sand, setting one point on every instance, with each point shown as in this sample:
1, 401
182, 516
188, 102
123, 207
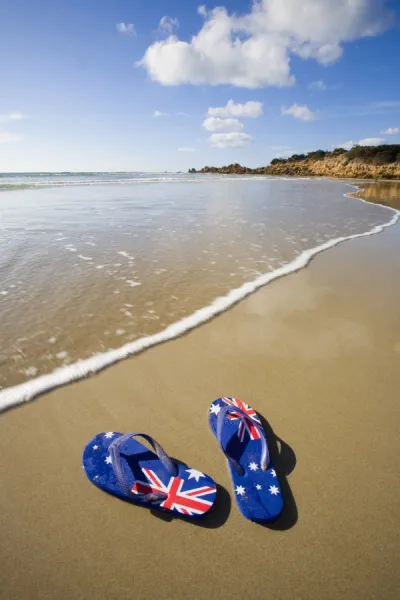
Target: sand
317, 354
382, 192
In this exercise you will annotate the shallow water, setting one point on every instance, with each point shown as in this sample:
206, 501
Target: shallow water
90, 262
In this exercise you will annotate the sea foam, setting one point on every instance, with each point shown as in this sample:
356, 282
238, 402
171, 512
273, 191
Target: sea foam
27, 391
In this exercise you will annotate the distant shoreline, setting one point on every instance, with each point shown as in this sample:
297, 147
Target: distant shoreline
269, 172
361, 162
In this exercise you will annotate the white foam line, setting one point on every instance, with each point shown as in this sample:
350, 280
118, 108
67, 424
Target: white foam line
82, 368
203, 177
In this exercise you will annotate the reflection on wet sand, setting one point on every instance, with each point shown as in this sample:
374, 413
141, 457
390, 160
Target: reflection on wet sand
88, 269
382, 192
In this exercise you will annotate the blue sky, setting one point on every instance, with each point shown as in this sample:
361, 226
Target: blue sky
83, 81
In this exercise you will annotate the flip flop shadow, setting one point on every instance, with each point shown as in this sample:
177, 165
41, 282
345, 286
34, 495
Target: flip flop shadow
284, 460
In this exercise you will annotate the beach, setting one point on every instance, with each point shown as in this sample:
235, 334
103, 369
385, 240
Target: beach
317, 354
94, 267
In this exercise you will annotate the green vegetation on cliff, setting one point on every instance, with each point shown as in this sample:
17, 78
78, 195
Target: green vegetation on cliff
364, 162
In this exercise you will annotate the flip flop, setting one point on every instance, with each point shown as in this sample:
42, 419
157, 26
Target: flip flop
242, 439
123, 467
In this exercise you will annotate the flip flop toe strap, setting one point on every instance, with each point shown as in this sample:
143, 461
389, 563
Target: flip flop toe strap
115, 454
239, 414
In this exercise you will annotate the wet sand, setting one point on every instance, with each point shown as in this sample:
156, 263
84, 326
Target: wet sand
85, 269
317, 354
381, 192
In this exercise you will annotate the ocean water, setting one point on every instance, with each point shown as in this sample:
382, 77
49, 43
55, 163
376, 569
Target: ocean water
94, 267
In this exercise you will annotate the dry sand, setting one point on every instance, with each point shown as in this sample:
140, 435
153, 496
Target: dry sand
317, 354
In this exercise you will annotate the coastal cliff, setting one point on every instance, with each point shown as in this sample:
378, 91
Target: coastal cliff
361, 162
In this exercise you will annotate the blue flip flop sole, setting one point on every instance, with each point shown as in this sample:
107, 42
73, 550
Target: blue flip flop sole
258, 493
191, 493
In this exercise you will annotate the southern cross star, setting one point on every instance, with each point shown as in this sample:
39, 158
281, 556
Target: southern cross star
273, 472
273, 490
240, 490
95, 447
253, 466
193, 474
258, 486
215, 409
109, 434
108, 460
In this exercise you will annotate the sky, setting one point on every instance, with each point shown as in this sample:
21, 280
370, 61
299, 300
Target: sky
128, 85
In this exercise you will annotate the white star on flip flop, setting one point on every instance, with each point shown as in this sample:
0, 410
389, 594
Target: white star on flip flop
108, 460
95, 447
109, 434
240, 490
215, 409
193, 474
253, 466
273, 490
273, 472
258, 486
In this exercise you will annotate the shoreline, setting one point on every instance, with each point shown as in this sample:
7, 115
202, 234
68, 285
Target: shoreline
384, 192
317, 355
22, 393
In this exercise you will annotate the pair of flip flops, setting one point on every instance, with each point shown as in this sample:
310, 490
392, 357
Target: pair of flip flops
120, 465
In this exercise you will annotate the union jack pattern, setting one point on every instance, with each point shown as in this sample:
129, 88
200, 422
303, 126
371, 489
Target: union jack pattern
188, 502
246, 423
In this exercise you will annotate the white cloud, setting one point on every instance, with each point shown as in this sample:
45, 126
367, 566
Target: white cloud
346, 145
186, 149
318, 85
371, 142
391, 131
168, 25
6, 138
230, 140
285, 154
325, 54
160, 113
299, 111
126, 28
365, 142
249, 109
17, 116
224, 118
217, 124
13, 116
283, 151
253, 50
